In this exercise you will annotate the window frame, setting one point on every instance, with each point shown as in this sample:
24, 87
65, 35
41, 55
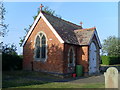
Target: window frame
73, 63
40, 59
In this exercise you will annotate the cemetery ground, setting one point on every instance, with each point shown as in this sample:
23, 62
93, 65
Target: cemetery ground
32, 79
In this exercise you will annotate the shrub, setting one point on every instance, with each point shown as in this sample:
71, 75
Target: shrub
105, 60
11, 62
114, 60
110, 60
10, 59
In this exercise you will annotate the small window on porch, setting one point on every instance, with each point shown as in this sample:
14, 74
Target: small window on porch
71, 57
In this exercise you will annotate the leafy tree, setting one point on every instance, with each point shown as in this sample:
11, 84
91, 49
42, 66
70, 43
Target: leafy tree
3, 26
47, 10
26, 31
111, 46
10, 59
9, 49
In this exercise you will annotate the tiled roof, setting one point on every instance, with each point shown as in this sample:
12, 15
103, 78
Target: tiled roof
64, 28
84, 35
65, 31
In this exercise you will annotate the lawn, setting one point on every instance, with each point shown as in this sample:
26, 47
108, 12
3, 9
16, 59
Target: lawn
64, 85
110, 65
26, 79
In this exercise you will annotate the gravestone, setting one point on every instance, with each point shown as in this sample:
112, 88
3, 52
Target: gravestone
111, 78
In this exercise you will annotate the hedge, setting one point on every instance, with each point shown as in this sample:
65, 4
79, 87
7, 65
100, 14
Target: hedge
11, 62
110, 60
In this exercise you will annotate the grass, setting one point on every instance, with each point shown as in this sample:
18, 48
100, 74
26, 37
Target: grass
22, 74
65, 85
26, 79
21, 82
110, 65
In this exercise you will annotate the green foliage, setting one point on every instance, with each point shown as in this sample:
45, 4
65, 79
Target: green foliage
111, 46
114, 60
9, 49
10, 59
21, 40
11, 62
105, 60
110, 60
47, 10
3, 26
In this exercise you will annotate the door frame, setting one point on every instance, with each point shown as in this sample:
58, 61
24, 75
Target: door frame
92, 58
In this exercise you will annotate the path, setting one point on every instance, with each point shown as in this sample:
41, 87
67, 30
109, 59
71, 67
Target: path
92, 79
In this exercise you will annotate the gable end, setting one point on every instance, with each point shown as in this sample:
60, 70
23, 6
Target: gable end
49, 25
98, 40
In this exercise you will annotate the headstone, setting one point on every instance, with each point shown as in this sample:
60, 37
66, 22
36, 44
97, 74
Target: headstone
111, 78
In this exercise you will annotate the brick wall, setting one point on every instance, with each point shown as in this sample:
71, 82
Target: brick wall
66, 50
57, 53
81, 56
54, 62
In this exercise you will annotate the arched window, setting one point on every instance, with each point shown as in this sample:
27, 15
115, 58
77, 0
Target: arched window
37, 46
40, 47
43, 47
71, 57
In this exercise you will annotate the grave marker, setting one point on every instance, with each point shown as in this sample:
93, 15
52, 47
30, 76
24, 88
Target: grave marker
111, 78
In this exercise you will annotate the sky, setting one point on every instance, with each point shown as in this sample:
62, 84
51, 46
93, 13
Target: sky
102, 15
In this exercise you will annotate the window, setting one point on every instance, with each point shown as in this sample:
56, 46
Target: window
71, 57
37, 45
40, 47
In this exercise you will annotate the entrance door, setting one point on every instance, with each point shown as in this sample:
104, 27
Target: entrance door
92, 59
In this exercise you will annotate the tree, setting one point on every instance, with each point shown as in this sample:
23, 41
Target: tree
9, 49
47, 10
3, 26
111, 46
10, 59
26, 31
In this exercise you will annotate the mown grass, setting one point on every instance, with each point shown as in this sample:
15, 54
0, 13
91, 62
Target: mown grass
18, 74
110, 65
21, 82
27, 79
65, 85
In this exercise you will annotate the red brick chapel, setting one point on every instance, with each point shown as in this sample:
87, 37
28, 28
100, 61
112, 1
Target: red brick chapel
56, 46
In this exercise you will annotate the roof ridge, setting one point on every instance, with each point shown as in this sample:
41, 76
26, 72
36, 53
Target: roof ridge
93, 28
62, 19
71, 23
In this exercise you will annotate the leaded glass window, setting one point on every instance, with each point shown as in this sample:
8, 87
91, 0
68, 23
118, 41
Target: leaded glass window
40, 47
71, 57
